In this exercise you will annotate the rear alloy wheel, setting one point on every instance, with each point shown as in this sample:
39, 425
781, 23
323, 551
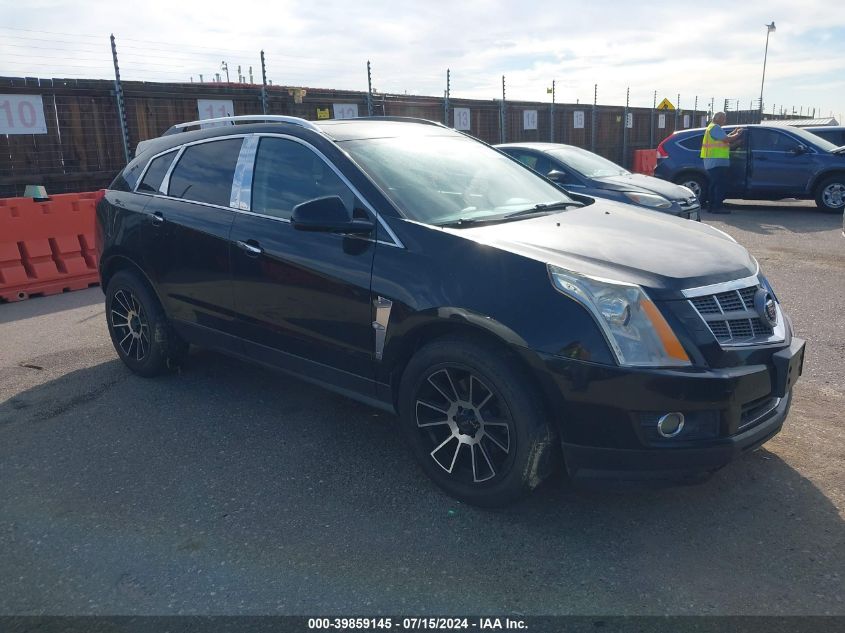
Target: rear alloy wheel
695, 183
138, 328
474, 425
830, 195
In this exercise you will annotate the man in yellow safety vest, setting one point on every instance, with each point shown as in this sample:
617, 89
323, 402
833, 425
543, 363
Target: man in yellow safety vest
716, 153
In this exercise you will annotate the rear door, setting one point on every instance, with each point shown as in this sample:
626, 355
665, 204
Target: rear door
302, 299
186, 239
776, 168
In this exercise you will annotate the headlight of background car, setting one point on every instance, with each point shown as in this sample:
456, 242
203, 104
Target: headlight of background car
634, 327
651, 200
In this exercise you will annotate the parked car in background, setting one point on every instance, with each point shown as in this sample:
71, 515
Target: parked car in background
580, 171
414, 268
832, 133
770, 163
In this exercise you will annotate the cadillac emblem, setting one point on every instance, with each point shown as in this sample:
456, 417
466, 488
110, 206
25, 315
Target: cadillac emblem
764, 304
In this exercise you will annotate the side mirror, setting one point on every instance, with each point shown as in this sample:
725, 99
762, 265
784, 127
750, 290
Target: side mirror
328, 215
556, 175
800, 149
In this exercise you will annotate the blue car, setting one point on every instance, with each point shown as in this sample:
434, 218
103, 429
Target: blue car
770, 163
578, 171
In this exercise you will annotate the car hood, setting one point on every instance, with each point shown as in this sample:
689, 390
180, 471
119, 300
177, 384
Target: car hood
621, 242
643, 184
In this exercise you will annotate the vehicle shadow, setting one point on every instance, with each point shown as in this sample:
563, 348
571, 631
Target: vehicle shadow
38, 305
766, 218
227, 488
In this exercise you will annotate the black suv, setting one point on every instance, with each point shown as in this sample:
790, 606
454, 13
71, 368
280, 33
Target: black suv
769, 163
512, 327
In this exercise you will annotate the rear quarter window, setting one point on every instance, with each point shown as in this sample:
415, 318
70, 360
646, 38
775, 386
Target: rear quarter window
205, 172
692, 143
155, 172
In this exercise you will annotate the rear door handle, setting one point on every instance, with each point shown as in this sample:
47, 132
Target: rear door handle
250, 247
157, 218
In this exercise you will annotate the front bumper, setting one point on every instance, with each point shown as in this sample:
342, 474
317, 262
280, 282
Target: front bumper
607, 415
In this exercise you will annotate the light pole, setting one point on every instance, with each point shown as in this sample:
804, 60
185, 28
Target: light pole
770, 28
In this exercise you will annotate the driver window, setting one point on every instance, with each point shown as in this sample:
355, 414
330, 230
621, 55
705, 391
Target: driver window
772, 141
287, 173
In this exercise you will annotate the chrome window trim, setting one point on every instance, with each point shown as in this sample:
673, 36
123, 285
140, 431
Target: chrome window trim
161, 196
396, 242
147, 167
165, 182
245, 171
241, 196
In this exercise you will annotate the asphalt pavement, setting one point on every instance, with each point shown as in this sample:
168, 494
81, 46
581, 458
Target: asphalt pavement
230, 489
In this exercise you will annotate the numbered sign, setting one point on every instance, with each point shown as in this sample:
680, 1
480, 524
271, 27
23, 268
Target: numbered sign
322, 113
686, 120
345, 110
462, 119
629, 120
661, 121
578, 119
22, 114
215, 109
529, 119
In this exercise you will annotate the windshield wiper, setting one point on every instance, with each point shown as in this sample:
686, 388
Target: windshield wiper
461, 222
542, 207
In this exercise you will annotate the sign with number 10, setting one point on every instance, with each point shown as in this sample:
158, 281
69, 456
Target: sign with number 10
22, 114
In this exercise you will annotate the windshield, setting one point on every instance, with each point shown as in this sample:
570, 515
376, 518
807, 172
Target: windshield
586, 163
446, 179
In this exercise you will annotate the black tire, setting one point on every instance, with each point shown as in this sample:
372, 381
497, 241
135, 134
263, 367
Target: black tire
491, 453
830, 194
696, 183
139, 330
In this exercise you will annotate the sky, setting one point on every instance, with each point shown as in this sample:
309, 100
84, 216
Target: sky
706, 50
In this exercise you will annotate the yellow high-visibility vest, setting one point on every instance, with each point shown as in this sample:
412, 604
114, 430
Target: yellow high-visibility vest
711, 148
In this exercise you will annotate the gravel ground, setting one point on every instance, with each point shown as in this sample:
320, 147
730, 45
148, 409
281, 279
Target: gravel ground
229, 489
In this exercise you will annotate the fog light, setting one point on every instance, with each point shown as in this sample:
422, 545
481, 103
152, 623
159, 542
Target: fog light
670, 425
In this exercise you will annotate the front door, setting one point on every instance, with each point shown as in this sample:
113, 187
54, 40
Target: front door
778, 167
302, 299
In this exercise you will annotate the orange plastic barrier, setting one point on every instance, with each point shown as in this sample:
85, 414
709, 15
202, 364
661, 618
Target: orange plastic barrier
645, 160
47, 247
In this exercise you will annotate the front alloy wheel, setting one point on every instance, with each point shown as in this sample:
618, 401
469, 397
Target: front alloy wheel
465, 423
831, 196
475, 421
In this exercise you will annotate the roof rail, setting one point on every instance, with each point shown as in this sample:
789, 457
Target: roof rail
408, 119
249, 118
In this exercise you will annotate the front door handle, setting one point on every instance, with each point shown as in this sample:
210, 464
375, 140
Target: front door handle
157, 218
758, 157
250, 247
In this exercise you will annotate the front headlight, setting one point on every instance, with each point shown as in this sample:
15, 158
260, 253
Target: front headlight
650, 200
632, 324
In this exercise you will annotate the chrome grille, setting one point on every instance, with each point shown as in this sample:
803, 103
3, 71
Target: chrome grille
731, 316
